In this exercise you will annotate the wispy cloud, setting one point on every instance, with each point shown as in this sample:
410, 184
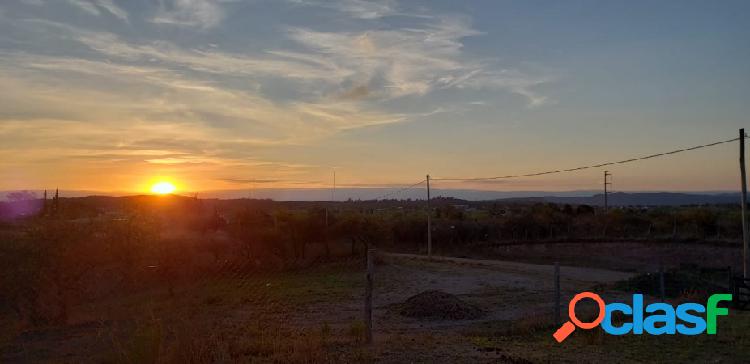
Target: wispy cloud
95, 7
195, 13
201, 60
33, 2
155, 103
113, 9
249, 181
358, 68
387, 64
169, 109
267, 181
360, 9
415, 61
86, 6
368, 9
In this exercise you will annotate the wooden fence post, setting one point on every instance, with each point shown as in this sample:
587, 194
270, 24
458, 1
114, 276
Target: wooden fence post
557, 294
368, 295
429, 221
745, 228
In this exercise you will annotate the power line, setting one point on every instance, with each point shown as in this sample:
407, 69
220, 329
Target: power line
561, 170
389, 194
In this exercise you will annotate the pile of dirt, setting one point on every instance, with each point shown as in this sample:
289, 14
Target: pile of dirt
439, 305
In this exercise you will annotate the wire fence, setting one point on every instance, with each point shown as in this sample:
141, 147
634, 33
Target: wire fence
214, 277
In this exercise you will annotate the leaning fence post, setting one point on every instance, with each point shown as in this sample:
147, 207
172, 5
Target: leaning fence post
368, 296
557, 294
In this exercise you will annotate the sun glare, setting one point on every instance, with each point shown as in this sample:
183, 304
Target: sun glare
162, 188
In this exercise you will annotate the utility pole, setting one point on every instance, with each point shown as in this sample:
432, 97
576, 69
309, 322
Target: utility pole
606, 183
333, 198
368, 294
333, 193
745, 238
429, 221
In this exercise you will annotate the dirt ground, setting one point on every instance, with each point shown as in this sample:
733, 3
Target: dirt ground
635, 256
315, 316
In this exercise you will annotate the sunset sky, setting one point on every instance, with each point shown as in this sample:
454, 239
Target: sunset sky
111, 96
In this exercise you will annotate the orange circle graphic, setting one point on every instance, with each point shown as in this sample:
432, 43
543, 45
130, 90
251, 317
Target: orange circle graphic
572, 310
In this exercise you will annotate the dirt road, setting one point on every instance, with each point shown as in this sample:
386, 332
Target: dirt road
507, 290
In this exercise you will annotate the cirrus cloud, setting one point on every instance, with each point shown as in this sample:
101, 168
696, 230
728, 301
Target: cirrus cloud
198, 13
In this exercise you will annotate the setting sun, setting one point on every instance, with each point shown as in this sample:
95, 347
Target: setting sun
162, 188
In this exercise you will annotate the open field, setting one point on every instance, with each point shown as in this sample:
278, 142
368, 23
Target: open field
313, 315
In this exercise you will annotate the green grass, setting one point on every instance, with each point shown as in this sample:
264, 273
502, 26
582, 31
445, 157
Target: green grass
326, 284
241, 318
321, 284
730, 345
192, 335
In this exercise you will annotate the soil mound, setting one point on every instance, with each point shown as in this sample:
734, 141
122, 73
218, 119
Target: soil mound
439, 305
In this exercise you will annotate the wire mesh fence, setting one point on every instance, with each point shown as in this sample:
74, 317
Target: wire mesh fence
180, 279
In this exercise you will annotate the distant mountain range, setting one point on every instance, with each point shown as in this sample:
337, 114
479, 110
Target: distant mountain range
569, 197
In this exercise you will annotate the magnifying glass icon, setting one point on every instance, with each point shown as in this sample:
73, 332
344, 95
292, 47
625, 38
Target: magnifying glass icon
568, 327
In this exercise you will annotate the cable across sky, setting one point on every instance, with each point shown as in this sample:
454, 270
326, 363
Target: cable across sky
392, 193
562, 170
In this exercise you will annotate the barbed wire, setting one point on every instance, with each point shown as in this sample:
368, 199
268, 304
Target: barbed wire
562, 170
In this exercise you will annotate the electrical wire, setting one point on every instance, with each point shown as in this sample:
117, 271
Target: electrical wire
587, 167
392, 193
